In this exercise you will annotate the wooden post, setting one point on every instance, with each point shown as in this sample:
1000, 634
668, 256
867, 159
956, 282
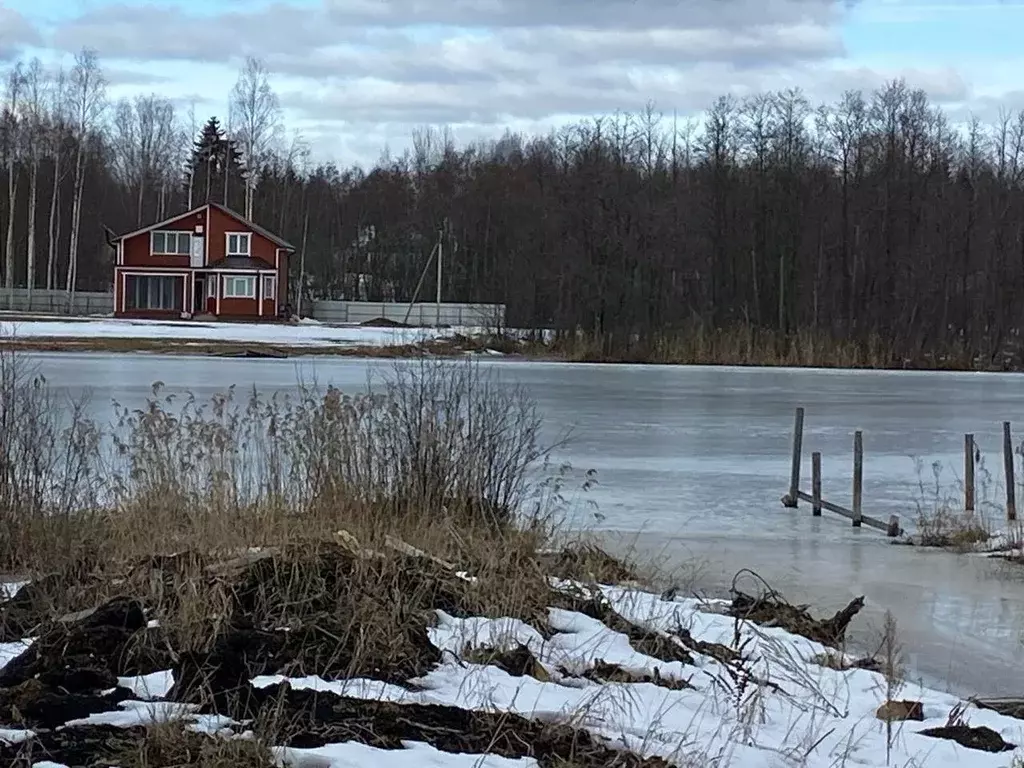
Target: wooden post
1011, 492
792, 498
968, 473
858, 476
816, 483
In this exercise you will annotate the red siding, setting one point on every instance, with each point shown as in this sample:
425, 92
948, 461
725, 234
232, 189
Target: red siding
136, 249
221, 224
239, 307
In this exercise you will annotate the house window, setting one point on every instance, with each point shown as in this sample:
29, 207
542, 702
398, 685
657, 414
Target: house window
211, 287
170, 243
238, 244
161, 292
269, 287
240, 287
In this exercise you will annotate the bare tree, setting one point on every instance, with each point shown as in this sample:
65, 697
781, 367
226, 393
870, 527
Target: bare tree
144, 141
35, 108
13, 144
256, 118
57, 126
87, 101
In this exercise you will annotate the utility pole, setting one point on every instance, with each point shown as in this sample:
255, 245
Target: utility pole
440, 249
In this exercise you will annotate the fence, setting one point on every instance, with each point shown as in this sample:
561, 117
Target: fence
422, 314
794, 496
56, 302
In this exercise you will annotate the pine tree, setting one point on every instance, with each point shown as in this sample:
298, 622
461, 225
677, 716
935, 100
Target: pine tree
216, 164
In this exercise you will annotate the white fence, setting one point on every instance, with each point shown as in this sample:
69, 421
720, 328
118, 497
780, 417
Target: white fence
422, 314
56, 302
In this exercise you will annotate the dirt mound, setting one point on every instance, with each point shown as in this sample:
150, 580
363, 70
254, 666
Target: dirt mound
385, 725
981, 738
383, 322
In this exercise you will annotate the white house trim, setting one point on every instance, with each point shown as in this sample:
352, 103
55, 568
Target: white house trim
206, 233
241, 233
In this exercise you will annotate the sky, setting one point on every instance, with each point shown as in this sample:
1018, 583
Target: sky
356, 76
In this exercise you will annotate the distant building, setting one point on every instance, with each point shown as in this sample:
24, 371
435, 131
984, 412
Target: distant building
210, 260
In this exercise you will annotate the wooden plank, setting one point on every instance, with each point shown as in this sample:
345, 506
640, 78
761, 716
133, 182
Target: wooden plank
867, 520
969, 473
816, 484
1011, 490
791, 499
858, 477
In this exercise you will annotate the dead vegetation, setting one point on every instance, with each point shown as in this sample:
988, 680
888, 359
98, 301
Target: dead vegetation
248, 536
771, 609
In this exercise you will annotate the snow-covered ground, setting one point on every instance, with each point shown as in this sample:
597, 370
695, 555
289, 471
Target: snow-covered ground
304, 334
786, 709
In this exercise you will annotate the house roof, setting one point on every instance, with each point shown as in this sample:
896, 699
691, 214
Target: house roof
240, 262
278, 241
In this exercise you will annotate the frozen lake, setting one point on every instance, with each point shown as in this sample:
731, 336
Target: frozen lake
691, 463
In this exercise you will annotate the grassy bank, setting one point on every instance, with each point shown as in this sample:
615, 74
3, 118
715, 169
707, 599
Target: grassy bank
741, 345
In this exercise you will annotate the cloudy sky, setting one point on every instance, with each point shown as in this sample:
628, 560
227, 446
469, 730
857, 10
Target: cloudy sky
356, 75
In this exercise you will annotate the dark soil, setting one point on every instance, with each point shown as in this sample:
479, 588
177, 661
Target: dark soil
981, 738
383, 322
325, 719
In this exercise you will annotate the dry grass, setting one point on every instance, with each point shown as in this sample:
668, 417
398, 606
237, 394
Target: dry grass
440, 455
942, 520
745, 344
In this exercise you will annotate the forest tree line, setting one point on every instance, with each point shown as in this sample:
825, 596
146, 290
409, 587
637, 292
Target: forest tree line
871, 217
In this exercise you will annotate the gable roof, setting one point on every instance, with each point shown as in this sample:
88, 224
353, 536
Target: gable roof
278, 241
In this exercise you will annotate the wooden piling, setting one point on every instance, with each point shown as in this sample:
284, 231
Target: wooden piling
1011, 493
858, 477
816, 483
792, 498
968, 473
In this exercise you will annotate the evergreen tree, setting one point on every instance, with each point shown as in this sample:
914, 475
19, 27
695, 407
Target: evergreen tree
216, 165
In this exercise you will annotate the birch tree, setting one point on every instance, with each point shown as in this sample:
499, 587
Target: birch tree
256, 118
57, 124
13, 142
35, 108
87, 93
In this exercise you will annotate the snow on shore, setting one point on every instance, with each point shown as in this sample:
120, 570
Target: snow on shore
284, 334
785, 709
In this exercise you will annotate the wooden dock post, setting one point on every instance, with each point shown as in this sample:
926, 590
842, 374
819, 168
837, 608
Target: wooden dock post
968, 473
1011, 491
792, 499
816, 484
858, 477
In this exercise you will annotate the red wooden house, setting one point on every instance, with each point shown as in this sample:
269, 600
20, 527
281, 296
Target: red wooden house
209, 260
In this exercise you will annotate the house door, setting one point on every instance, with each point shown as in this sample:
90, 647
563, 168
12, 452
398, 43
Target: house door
199, 294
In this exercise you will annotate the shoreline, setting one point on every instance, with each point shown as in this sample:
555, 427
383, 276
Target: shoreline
444, 347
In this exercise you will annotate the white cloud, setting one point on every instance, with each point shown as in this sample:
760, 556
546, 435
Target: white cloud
356, 75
